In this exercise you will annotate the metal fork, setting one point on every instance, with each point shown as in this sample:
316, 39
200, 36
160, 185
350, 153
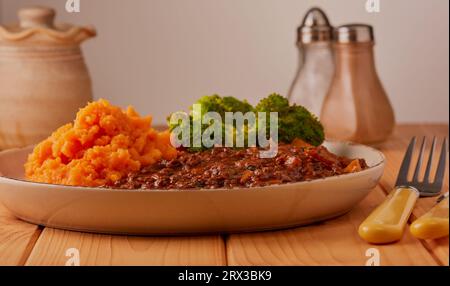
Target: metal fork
387, 222
425, 187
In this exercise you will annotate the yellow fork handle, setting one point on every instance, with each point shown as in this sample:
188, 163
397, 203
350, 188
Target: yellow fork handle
387, 222
433, 224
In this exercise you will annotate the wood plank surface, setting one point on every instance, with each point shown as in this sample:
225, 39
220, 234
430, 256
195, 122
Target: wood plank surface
100, 249
17, 238
334, 242
394, 150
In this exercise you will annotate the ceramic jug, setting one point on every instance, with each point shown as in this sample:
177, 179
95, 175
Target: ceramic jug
43, 77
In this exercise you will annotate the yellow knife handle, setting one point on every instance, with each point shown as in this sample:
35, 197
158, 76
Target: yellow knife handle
433, 224
387, 222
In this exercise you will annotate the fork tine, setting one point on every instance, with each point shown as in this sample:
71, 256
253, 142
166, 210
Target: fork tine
440, 173
426, 177
402, 177
415, 178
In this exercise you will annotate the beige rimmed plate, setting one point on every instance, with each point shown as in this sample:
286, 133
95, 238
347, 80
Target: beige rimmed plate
162, 212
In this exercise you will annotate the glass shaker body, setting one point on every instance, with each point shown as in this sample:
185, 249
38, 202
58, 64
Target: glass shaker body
356, 107
314, 76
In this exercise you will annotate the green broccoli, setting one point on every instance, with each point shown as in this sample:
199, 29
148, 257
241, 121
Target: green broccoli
273, 103
294, 121
233, 104
216, 103
223, 104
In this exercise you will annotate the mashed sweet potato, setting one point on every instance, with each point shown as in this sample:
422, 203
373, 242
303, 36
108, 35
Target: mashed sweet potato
102, 145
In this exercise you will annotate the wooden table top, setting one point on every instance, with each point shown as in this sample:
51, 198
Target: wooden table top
334, 242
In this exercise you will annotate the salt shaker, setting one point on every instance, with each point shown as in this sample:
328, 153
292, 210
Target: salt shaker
356, 107
316, 63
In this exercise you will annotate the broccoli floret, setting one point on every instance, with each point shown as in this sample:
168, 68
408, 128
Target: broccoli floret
231, 104
211, 103
223, 104
298, 122
294, 121
216, 103
272, 103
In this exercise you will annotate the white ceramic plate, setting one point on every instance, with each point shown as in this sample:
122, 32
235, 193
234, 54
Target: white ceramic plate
186, 211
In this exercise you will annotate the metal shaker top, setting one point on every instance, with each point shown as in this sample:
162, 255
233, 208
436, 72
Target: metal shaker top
315, 27
354, 33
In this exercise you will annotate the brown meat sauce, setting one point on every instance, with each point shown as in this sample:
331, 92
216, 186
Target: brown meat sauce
229, 168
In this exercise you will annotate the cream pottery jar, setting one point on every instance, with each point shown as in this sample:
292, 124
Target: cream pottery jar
43, 77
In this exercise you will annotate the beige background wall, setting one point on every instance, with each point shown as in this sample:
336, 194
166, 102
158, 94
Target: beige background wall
160, 55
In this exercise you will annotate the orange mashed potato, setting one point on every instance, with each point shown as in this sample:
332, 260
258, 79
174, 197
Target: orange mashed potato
101, 146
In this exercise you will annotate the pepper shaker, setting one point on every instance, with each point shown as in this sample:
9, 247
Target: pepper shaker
356, 107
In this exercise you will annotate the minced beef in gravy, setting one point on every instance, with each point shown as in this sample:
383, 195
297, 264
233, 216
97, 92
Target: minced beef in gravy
227, 168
